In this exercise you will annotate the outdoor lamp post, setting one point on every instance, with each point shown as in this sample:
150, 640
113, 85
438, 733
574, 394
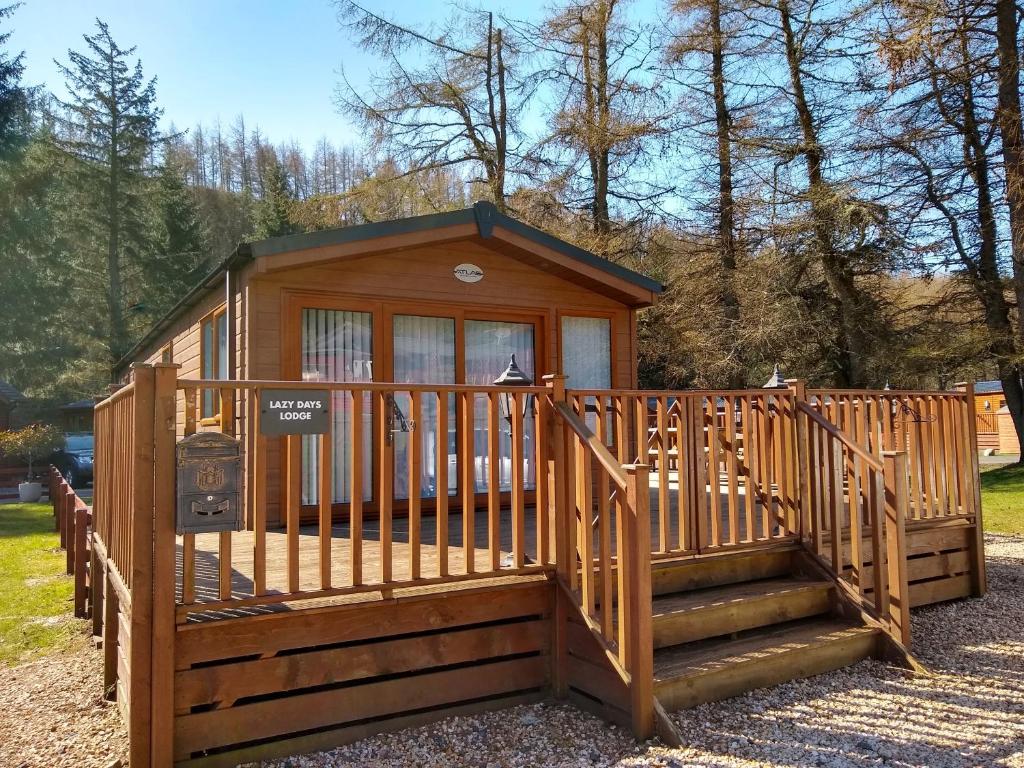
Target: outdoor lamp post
513, 377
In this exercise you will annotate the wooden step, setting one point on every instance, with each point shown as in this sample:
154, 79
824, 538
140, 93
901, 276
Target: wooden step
688, 675
669, 576
688, 616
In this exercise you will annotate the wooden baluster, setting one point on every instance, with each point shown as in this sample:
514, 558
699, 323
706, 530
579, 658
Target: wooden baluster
355, 485
467, 459
604, 538
188, 540
292, 499
714, 477
542, 500
836, 507
518, 483
584, 494
325, 493
259, 469
493, 481
386, 482
663, 497
732, 469
748, 470
700, 485
227, 427
414, 484
880, 582
684, 470
949, 443
441, 471
853, 476
573, 504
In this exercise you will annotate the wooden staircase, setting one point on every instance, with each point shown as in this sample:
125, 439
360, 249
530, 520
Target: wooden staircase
747, 621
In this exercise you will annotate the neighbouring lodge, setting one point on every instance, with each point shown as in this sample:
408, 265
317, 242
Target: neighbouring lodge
362, 479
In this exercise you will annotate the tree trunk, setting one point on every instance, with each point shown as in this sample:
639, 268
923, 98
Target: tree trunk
727, 246
838, 275
1008, 119
118, 340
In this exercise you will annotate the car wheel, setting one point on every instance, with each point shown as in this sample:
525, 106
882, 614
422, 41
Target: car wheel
71, 477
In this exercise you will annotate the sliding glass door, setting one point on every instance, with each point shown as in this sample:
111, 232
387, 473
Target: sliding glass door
490, 345
424, 353
337, 345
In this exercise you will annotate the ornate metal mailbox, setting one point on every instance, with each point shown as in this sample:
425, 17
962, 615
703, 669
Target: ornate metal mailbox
209, 479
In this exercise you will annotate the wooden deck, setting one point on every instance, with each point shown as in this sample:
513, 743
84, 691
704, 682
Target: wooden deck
207, 572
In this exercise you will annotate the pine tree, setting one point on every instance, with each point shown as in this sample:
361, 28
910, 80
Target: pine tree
109, 129
272, 210
13, 98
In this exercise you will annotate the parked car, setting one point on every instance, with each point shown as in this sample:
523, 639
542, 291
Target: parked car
74, 458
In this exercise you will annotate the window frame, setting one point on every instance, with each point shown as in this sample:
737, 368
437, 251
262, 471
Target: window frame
211, 415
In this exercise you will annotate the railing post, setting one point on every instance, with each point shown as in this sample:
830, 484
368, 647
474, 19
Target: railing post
639, 633
557, 516
801, 485
69, 529
141, 533
896, 501
164, 433
979, 579
81, 515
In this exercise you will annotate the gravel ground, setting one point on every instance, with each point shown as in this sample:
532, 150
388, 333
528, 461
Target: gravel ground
52, 713
970, 712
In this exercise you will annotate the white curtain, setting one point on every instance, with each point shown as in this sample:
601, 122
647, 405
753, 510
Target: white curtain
489, 347
424, 354
587, 352
338, 346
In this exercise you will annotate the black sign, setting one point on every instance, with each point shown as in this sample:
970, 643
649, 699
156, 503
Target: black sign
294, 411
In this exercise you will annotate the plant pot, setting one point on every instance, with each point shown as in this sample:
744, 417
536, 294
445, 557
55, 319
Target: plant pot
29, 492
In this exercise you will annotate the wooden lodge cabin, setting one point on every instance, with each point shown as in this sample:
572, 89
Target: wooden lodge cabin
442, 544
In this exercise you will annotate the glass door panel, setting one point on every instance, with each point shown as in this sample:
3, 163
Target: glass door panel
337, 345
424, 350
490, 345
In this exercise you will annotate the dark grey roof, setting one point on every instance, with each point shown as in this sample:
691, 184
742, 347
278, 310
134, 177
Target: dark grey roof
484, 214
9, 394
79, 405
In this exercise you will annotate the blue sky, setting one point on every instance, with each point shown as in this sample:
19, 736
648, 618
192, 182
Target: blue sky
275, 62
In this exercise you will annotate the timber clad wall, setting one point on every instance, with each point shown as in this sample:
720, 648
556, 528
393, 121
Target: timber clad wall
419, 281
315, 678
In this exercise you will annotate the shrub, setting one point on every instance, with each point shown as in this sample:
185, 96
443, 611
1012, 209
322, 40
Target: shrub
31, 443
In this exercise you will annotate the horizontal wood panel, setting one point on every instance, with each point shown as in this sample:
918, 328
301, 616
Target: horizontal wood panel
938, 590
233, 681
597, 681
292, 714
322, 740
939, 539
271, 633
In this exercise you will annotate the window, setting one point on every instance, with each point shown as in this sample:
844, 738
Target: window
213, 347
167, 353
587, 352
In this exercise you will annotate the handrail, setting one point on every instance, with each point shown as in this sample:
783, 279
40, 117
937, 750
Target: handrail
871, 460
601, 452
353, 386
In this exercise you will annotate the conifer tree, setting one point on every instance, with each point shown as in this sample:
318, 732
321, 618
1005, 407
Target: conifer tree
108, 129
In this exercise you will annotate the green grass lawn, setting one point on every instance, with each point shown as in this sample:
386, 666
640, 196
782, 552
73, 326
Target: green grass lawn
35, 594
1002, 498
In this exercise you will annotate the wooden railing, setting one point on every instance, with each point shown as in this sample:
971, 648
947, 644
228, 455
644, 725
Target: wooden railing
602, 514
410, 448
987, 423
728, 455
935, 429
854, 510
